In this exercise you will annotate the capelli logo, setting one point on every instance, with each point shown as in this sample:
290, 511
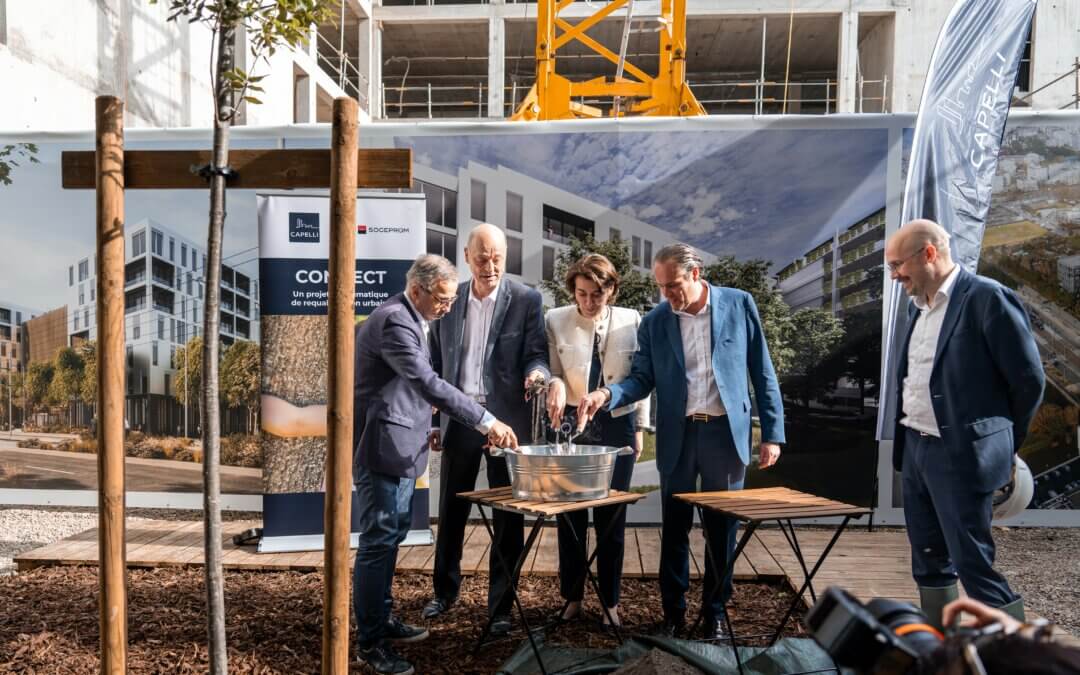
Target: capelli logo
304, 228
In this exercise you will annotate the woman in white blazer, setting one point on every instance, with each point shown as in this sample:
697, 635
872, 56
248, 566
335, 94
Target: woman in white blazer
590, 344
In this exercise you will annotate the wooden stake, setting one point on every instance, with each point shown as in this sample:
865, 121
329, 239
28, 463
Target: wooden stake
112, 573
339, 422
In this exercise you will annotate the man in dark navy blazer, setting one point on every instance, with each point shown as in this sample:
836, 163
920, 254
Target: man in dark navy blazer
969, 380
395, 389
492, 345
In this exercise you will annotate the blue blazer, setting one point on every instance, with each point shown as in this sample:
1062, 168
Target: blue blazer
738, 348
395, 389
516, 346
986, 382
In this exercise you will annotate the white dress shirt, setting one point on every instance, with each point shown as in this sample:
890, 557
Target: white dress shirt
703, 396
478, 317
488, 420
918, 407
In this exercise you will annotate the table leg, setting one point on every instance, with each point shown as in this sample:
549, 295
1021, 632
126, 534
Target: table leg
512, 590
810, 578
719, 579
793, 541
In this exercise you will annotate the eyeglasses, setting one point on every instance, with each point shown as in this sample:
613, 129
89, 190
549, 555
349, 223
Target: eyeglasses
440, 301
895, 265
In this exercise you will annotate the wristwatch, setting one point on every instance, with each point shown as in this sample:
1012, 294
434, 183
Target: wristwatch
607, 394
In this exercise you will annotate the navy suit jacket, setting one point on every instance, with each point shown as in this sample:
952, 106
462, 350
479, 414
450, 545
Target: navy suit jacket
986, 381
516, 346
394, 391
738, 348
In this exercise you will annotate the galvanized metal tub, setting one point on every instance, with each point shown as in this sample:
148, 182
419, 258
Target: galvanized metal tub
562, 472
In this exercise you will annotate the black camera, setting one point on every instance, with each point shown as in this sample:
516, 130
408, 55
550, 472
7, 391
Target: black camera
881, 636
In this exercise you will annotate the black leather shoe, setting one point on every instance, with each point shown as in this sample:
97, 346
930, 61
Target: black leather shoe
384, 660
500, 625
399, 631
435, 607
672, 628
716, 629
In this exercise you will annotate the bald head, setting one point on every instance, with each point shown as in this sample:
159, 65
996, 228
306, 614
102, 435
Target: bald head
919, 233
917, 255
485, 253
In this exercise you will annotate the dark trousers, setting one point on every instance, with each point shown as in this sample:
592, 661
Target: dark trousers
385, 514
616, 432
708, 453
948, 524
463, 448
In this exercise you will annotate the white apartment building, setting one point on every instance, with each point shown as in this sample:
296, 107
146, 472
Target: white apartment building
14, 353
163, 304
539, 219
843, 274
475, 60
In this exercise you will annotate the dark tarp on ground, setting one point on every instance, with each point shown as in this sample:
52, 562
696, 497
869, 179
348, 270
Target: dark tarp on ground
789, 655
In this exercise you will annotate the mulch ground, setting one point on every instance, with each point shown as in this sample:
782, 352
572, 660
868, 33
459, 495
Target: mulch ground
49, 621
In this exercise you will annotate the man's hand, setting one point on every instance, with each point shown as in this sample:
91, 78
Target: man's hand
502, 436
590, 405
433, 441
556, 401
983, 615
770, 452
531, 380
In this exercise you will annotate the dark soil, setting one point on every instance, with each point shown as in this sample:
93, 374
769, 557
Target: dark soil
49, 621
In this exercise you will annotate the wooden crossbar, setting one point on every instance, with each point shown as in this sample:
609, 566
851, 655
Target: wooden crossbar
268, 169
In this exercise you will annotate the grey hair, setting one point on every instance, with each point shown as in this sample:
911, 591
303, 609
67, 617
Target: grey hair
682, 255
429, 269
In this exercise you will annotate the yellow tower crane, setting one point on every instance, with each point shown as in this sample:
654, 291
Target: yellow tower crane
552, 96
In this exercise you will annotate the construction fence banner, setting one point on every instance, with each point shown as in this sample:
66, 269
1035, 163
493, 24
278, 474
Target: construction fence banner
794, 209
294, 251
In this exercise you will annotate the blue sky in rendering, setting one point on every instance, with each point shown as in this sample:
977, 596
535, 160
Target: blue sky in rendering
765, 193
44, 228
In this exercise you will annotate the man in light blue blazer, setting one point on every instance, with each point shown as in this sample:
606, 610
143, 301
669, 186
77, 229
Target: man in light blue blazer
969, 380
700, 350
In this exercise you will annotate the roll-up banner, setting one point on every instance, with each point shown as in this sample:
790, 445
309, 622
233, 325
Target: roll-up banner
294, 250
954, 150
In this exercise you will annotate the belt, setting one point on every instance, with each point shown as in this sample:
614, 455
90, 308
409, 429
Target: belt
702, 417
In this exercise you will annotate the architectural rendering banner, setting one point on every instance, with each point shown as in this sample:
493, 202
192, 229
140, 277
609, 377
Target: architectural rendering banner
958, 132
294, 250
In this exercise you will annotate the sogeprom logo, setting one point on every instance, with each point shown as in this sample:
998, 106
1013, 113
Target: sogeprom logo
304, 227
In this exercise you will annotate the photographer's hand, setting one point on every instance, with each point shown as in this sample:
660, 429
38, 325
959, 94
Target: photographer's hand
983, 615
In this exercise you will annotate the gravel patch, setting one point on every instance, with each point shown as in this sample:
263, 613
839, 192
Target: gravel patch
22, 528
1043, 565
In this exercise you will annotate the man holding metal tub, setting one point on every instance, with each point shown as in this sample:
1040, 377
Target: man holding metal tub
396, 388
590, 343
696, 350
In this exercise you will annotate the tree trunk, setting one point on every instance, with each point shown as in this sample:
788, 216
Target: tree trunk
211, 426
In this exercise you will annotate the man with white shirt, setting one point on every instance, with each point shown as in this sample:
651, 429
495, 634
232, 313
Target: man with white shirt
493, 346
700, 350
395, 389
969, 380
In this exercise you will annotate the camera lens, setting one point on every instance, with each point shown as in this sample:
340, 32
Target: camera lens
908, 623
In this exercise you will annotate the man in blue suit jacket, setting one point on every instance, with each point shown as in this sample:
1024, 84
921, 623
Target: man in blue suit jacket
395, 389
697, 350
969, 380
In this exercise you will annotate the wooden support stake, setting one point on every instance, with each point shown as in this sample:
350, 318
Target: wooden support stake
112, 573
339, 422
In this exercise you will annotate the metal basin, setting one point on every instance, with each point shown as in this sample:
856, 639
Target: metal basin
561, 472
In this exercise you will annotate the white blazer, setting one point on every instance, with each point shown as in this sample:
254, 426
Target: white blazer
570, 343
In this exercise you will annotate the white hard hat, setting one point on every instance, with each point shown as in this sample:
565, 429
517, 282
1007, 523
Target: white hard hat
1012, 499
